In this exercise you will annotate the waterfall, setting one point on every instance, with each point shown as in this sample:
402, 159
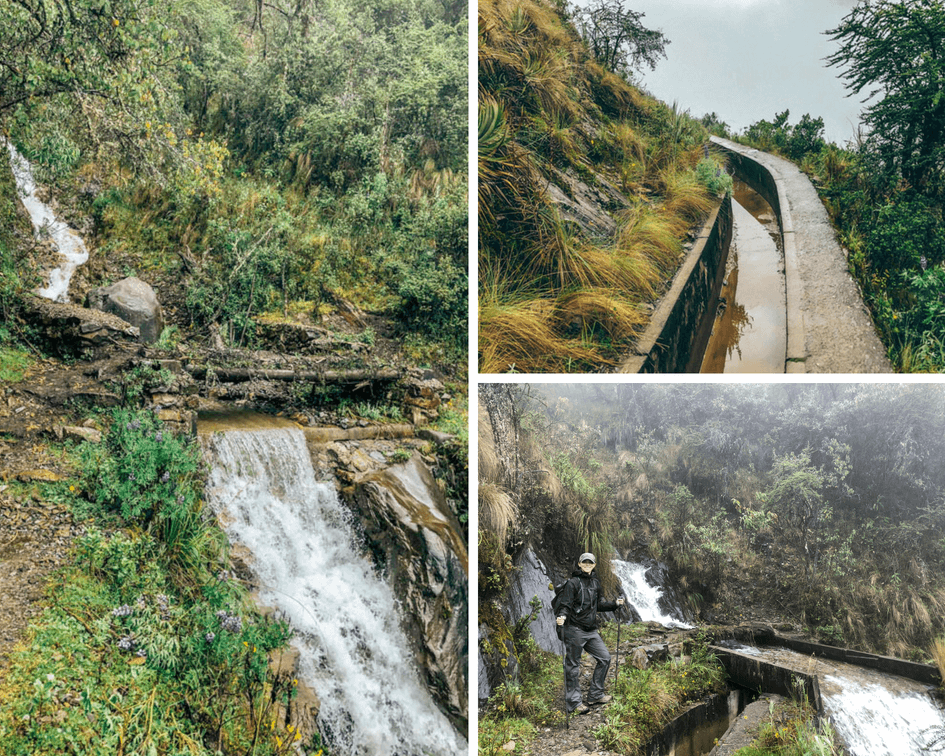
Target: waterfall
875, 713
644, 597
354, 653
67, 241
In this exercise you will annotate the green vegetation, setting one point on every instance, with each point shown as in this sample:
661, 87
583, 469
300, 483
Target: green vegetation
818, 504
149, 644
13, 364
556, 294
646, 699
257, 155
884, 193
791, 730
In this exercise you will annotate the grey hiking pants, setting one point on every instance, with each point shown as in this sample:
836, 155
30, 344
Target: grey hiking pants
576, 641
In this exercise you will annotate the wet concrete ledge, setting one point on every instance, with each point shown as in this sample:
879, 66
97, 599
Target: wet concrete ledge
757, 674
772, 188
677, 330
923, 673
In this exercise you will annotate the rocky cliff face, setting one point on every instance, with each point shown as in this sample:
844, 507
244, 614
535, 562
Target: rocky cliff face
416, 541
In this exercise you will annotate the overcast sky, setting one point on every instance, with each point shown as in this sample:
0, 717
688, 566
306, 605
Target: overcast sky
750, 59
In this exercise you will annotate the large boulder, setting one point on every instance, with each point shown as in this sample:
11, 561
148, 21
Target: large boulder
132, 300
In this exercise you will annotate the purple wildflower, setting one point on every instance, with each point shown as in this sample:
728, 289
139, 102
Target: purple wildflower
122, 611
165, 477
210, 636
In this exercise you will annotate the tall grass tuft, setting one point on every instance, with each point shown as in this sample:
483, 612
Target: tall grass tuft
556, 296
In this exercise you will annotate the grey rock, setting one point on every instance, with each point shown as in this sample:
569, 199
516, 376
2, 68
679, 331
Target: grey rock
132, 300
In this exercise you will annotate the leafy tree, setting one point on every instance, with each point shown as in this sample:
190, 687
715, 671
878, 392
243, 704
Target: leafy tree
617, 39
895, 50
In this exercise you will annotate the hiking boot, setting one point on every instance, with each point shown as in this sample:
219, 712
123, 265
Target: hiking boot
581, 708
602, 700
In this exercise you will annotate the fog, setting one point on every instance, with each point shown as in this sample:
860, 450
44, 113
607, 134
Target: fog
750, 59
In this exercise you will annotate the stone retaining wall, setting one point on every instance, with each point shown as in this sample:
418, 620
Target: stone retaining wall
680, 327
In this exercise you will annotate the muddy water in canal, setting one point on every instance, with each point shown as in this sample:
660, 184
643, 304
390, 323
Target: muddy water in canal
750, 330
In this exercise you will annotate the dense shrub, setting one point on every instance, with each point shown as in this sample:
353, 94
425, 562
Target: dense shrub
905, 230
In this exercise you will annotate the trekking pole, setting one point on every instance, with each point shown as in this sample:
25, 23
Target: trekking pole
617, 651
564, 665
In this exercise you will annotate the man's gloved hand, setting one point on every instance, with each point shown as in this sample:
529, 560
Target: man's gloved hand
561, 619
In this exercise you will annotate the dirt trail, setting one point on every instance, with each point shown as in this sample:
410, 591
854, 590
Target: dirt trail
579, 737
839, 336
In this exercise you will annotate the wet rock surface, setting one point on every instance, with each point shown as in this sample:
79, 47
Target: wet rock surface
745, 727
415, 540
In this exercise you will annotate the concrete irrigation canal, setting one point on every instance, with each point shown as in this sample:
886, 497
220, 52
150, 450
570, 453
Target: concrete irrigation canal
784, 303
828, 328
750, 330
878, 705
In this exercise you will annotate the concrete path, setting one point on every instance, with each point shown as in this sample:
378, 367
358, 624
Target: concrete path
829, 327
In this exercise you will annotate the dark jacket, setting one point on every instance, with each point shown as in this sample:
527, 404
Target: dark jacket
581, 600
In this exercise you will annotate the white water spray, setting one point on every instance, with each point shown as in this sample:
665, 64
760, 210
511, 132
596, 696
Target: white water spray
67, 241
353, 651
644, 597
876, 714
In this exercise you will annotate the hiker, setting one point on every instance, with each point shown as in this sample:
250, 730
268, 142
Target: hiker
580, 601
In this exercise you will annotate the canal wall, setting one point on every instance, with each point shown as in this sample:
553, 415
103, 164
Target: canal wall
695, 730
760, 178
829, 329
766, 677
923, 673
682, 322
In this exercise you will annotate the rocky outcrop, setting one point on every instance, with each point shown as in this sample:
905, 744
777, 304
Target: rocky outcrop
498, 661
592, 208
422, 398
134, 301
73, 330
415, 540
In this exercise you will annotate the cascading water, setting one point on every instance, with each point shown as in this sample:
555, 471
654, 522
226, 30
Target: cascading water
67, 241
353, 651
644, 597
876, 714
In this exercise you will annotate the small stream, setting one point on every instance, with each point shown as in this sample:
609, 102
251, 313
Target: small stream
876, 714
750, 330
67, 242
307, 559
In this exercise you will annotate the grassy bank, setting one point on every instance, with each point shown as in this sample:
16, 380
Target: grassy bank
644, 700
248, 162
149, 643
559, 290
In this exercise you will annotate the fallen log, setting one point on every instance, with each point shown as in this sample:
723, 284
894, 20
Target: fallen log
238, 375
